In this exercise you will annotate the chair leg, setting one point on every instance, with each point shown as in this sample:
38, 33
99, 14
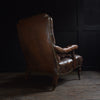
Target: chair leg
27, 75
54, 82
79, 72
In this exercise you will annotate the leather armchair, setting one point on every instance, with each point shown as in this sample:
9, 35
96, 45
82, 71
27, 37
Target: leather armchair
42, 55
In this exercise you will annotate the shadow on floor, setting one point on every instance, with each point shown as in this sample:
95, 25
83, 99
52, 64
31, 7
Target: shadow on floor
18, 86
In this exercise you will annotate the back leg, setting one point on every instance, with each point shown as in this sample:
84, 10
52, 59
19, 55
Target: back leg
27, 73
54, 82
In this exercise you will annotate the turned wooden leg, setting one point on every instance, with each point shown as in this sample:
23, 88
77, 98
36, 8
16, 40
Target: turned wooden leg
54, 82
79, 72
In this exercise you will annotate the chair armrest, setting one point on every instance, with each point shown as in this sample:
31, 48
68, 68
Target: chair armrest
59, 49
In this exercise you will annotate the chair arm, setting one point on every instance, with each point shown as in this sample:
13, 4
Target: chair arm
59, 49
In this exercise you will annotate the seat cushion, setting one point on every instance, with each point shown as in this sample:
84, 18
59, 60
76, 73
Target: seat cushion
66, 64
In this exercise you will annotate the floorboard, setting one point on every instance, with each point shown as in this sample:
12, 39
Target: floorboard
13, 86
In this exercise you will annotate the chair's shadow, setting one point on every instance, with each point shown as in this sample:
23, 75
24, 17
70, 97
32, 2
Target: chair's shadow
18, 86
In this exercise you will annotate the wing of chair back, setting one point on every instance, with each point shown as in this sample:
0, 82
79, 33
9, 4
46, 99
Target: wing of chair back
41, 53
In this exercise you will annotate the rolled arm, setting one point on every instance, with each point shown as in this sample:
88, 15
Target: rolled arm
59, 49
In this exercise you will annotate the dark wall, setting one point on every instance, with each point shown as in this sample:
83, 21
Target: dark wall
89, 32
70, 26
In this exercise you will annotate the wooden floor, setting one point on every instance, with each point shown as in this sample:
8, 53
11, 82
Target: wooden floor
13, 86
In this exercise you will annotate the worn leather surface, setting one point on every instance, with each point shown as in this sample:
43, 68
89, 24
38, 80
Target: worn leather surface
36, 44
39, 47
58, 49
66, 64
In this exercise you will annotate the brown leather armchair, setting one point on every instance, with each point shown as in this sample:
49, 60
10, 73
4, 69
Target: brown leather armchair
41, 53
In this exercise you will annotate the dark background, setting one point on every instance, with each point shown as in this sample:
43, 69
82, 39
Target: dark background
75, 22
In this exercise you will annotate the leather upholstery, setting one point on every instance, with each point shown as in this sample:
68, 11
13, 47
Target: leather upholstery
35, 41
65, 50
39, 47
66, 64
78, 59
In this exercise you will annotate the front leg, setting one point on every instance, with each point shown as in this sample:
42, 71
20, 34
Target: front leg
79, 72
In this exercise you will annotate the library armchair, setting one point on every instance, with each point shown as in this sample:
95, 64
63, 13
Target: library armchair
42, 55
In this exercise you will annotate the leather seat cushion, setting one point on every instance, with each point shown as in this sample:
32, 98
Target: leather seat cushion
66, 64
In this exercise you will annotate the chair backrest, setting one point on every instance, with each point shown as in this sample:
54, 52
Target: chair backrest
36, 38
